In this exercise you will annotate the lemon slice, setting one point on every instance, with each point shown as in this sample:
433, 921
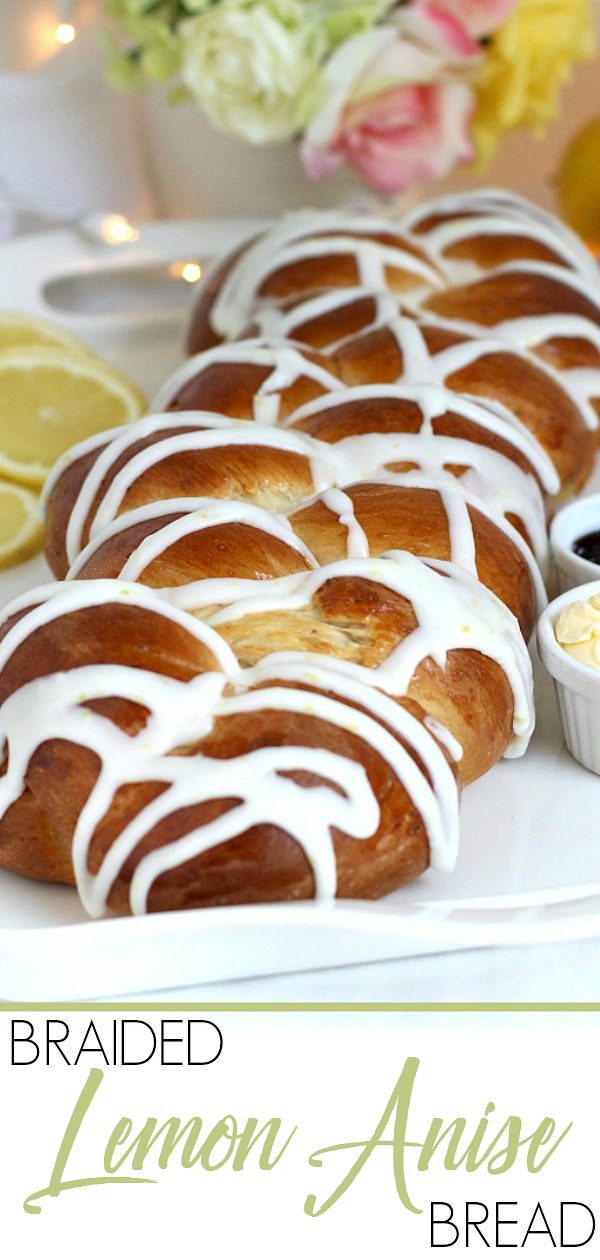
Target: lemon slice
20, 524
18, 329
52, 397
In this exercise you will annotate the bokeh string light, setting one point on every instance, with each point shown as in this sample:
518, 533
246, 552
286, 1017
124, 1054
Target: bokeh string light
65, 30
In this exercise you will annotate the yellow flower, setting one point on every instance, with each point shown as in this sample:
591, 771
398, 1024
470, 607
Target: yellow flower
528, 59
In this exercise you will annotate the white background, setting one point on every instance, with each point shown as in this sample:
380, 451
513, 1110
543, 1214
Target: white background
331, 1077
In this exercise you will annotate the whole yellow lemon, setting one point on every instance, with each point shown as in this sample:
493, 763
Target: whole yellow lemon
578, 183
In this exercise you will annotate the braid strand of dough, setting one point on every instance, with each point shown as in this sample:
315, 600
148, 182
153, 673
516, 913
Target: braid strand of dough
293, 602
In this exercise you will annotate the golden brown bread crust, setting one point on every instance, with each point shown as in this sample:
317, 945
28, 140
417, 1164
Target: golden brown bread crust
59, 507
392, 415
500, 376
261, 864
362, 350
230, 388
525, 295
393, 516
120, 635
272, 478
340, 270
232, 550
201, 334
409, 518
519, 265
346, 620
322, 328
490, 252
491, 227
67, 487
511, 295
403, 260
362, 622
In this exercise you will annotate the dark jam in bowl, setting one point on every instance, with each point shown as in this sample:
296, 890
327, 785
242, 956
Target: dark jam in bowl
588, 546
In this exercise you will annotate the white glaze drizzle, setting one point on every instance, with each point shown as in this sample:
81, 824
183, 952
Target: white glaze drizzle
180, 714
491, 477
330, 464
519, 336
258, 436
192, 707
298, 237
203, 592
493, 215
443, 237
445, 738
455, 495
196, 515
204, 431
288, 363
521, 332
123, 439
79, 450
587, 288
580, 387
526, 332
273, 321
340, 503
71, 597
476, 210
434, 401
456, 499
529, 332
452, 608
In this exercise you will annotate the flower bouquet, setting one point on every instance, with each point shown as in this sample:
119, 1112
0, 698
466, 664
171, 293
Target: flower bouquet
400, 91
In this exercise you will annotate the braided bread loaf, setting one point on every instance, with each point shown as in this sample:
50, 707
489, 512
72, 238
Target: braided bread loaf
293, 602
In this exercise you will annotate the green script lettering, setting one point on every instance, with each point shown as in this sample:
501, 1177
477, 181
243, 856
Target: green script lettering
56, 1184
399, 1102
234, 1142
498, 1156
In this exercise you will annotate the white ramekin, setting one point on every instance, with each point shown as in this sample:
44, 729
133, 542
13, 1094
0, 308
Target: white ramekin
577, 686
578, 518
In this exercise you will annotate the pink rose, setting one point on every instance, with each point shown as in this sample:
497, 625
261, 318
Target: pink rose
405, 136
395, 109
478, 17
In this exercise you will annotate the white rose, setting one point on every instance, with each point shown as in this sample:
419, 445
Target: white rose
253, 66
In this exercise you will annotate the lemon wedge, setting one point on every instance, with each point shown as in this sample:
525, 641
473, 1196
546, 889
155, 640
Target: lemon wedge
20, 524
52, 397
19, 329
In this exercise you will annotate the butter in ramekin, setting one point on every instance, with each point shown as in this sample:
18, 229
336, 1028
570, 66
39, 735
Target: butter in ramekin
577, 629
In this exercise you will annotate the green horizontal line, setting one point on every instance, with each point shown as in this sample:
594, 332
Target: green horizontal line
303, 1007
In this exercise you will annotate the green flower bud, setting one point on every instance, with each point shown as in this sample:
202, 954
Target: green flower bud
196, 6
340, 19
124, 73
160, 60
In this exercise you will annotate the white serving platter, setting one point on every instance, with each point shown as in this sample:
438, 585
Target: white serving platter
529, 866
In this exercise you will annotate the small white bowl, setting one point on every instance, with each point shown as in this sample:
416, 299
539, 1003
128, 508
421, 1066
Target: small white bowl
574, 521
577, 685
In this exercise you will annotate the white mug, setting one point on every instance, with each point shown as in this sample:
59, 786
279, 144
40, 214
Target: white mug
68, 145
